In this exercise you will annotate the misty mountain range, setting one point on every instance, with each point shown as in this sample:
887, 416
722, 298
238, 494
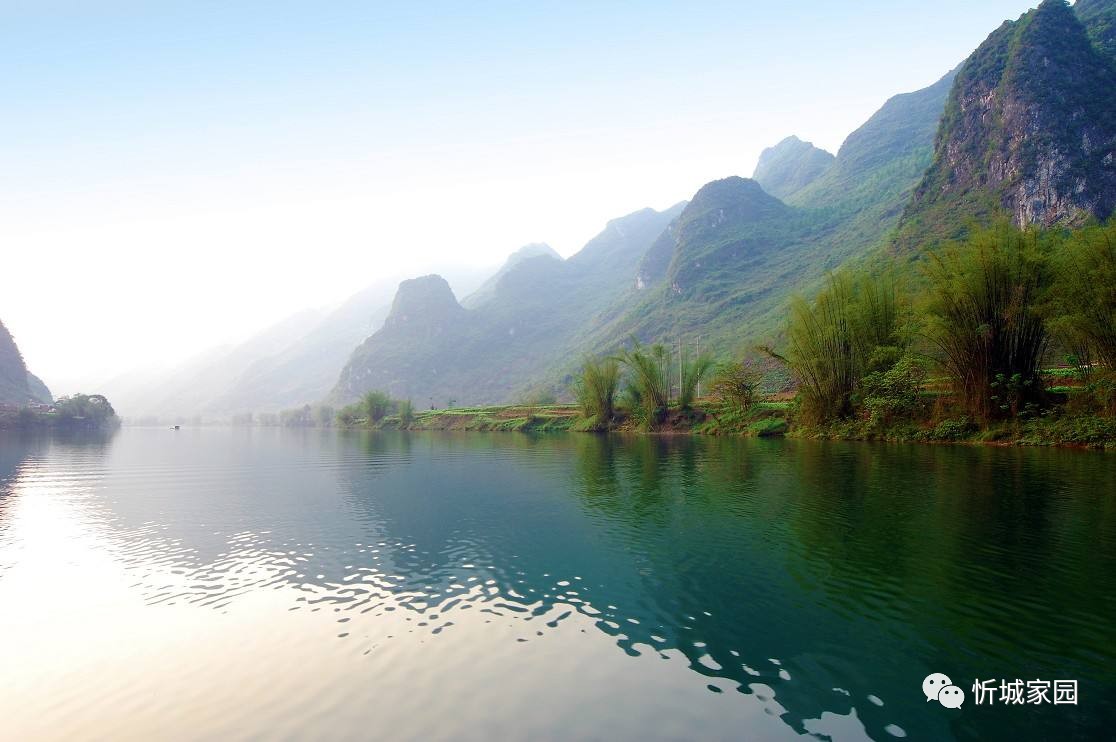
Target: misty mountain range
1024, 127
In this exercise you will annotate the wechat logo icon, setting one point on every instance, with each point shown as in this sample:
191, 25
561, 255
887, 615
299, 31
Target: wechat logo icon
938, 687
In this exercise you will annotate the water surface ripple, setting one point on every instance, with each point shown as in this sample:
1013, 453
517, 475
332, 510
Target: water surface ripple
266, 583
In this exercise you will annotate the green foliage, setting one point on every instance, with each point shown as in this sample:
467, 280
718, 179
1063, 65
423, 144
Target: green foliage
767, 427
1083, 301
376, 405
953, 430
406, 412
1103, 391
89, 410
631, 401
1096, 397
983, 302
649, 379
596, 388
693, 372
735, 385
892, 395
1099, 18
834, 340
348, 415
1010, 395
1079, 430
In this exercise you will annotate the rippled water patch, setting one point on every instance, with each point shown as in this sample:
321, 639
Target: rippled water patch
505, 586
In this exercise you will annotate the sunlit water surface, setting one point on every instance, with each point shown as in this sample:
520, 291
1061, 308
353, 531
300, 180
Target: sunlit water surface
206, 584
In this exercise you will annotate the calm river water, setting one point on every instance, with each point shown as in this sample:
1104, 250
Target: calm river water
231, 584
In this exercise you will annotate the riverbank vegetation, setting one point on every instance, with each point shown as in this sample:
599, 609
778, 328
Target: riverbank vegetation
1005, 337
75, 412
1008, 336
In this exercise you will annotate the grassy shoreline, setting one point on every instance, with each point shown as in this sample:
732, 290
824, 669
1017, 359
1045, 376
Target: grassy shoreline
771, 418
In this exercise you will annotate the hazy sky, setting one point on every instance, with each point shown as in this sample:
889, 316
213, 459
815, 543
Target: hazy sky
176, 176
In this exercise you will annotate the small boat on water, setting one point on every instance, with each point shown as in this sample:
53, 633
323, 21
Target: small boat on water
176, 427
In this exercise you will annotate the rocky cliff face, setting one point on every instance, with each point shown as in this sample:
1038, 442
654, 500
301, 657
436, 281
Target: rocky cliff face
790, 166
1029, 130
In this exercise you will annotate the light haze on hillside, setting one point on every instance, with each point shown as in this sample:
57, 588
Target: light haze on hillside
177, 178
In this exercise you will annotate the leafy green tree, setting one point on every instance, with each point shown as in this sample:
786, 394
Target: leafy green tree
91, 410
377, 405
893, 393
735, 384
349, 415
